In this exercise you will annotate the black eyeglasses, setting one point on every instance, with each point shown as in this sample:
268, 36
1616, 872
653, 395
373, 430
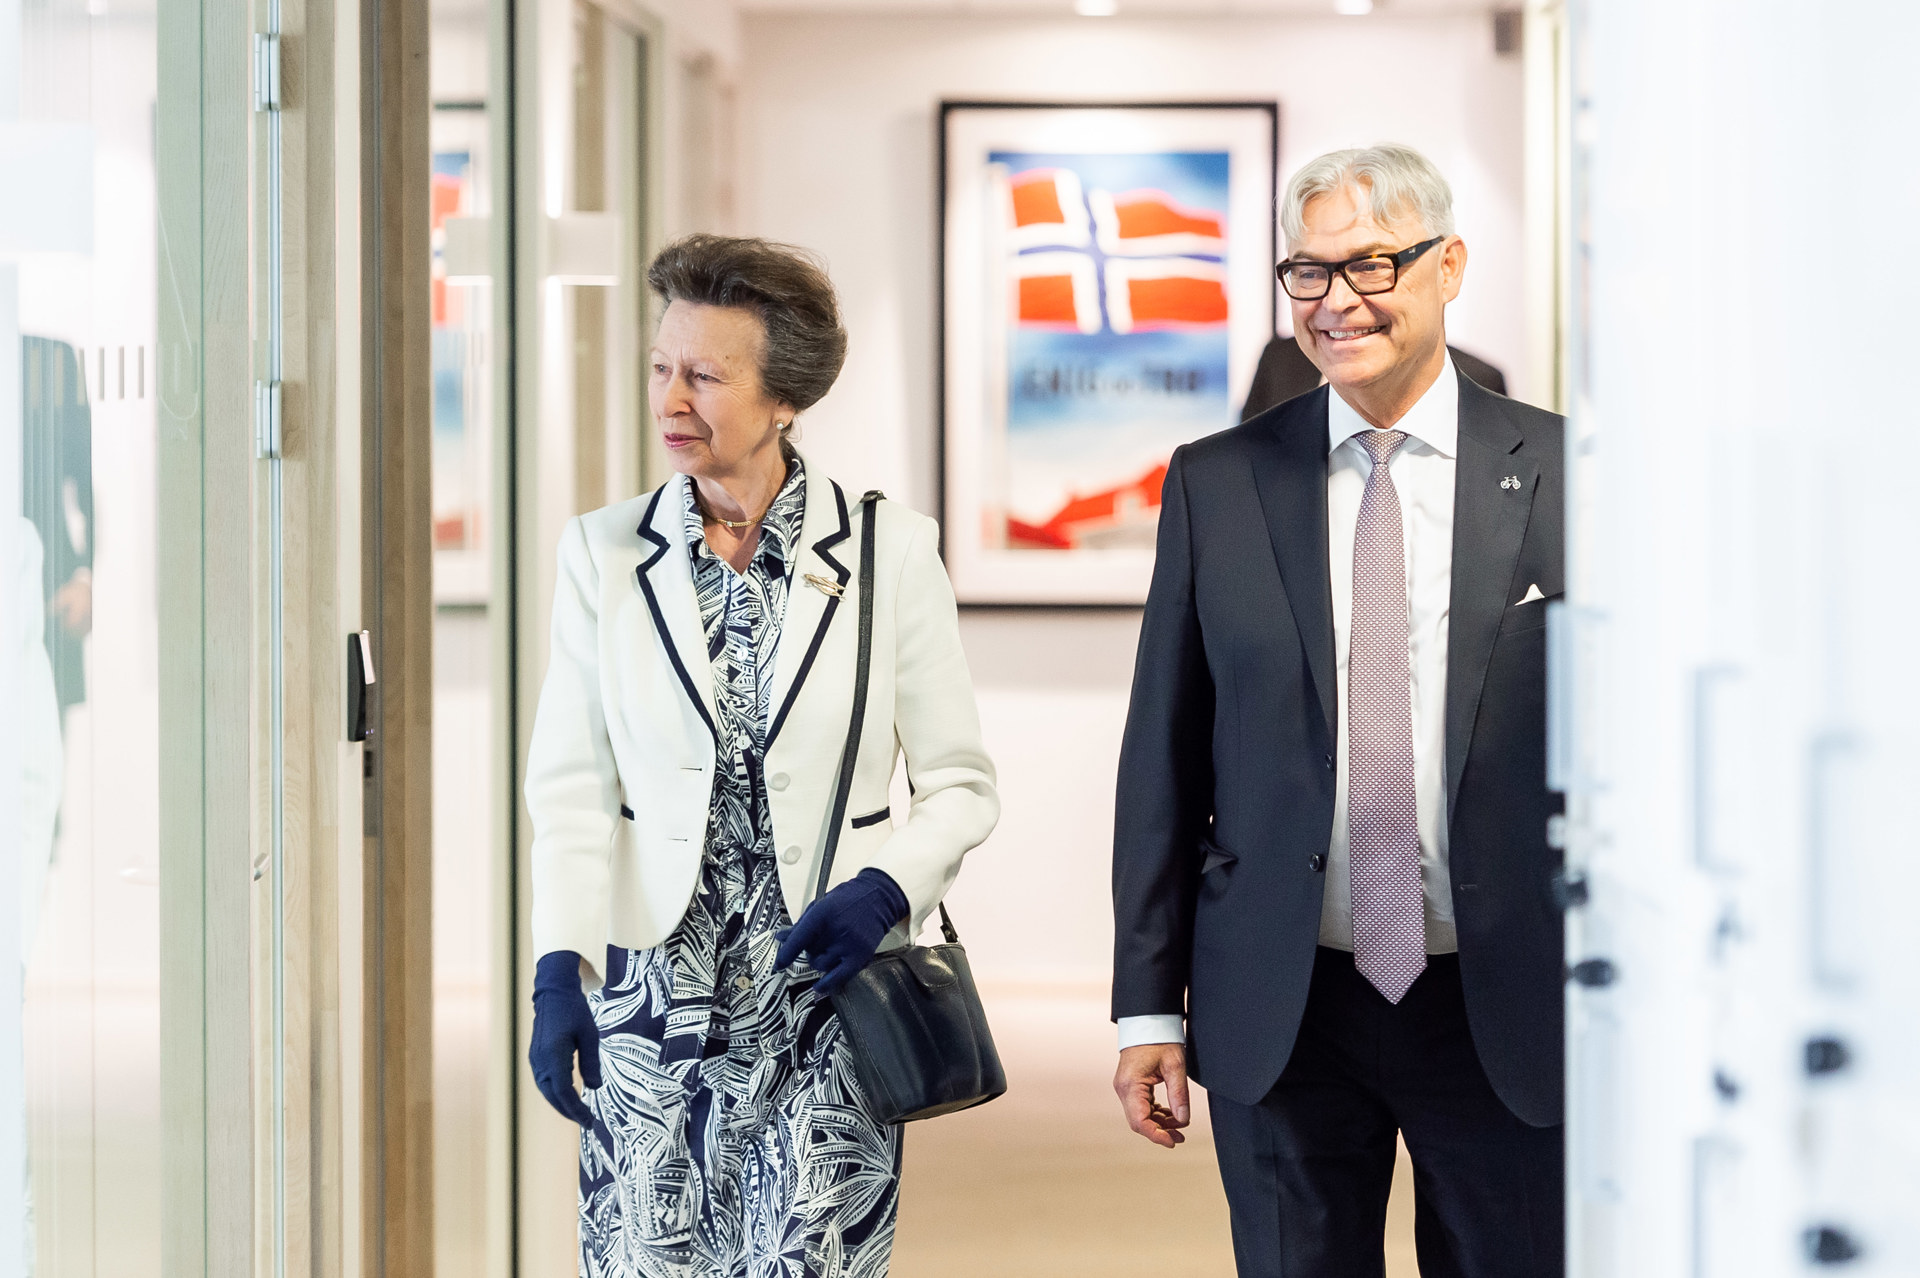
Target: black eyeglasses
1375, 273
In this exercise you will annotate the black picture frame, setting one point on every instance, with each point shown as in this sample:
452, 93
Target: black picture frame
1122, 587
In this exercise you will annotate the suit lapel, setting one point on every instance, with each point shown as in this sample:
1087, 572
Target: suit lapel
1290, 474
665, 577
1494, 483
810, 609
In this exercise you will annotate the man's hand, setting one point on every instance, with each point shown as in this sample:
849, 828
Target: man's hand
1141, 1069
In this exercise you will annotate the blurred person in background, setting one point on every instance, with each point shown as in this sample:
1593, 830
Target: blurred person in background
684, 760
35, 723
32, 709
1331, 872
56, 494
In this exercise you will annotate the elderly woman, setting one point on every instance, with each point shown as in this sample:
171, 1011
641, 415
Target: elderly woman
681, 776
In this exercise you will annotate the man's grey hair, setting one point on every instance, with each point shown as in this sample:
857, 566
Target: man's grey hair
1389, 180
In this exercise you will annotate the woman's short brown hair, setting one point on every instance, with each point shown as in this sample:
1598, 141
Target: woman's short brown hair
787, 287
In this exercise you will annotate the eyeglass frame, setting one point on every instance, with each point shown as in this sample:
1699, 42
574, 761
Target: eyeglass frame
1404, 258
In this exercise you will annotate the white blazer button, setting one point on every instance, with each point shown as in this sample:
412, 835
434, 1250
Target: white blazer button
743, 983
778, 780
790, 855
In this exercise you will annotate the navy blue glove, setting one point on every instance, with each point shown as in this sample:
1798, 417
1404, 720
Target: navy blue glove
841, 930
562, 1025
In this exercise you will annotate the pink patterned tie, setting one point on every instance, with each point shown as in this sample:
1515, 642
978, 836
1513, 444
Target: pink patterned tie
1383, 836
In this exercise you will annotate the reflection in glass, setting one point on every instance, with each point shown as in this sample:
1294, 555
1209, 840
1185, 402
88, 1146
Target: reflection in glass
606, 302
77, 312
463, 633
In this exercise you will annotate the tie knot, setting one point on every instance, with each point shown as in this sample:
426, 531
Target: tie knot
1381, 444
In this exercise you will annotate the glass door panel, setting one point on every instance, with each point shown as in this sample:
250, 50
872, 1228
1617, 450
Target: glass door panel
467, 632
605, 299
79, 1064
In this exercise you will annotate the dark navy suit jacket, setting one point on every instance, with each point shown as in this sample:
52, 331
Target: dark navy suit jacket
1226, 786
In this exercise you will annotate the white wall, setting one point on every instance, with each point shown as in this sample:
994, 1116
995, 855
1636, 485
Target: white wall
839, 115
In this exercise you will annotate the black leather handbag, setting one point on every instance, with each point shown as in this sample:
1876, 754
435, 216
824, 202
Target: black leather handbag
912, 1016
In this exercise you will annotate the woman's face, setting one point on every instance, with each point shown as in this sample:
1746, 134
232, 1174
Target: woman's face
711, 411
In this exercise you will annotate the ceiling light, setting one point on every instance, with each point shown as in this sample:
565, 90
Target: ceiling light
1353, 8
1096, 8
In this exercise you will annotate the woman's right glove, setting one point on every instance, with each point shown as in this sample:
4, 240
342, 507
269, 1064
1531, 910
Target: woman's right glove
562, 1026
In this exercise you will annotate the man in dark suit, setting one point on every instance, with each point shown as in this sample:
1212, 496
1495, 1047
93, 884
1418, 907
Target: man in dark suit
1331, 873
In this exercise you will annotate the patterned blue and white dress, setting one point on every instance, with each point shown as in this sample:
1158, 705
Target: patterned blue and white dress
730, 1138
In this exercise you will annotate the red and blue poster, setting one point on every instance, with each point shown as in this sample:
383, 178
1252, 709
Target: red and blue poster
1108, 287
1116, 337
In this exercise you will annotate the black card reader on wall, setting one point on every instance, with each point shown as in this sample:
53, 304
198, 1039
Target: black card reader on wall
359, 679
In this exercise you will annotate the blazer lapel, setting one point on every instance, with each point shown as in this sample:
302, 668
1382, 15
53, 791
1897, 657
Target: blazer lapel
1290, 475
1493, 490
665, 577
810, 607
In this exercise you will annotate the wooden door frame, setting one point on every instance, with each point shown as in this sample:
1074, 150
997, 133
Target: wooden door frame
309, 1188
356, 1019
397, 1215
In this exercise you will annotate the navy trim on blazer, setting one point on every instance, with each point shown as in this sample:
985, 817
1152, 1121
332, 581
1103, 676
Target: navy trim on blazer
1290, 478
821, 548
659, 621
872, 818
626, 812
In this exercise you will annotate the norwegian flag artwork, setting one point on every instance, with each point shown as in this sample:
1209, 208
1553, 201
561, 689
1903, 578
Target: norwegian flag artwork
1057, 290
1116, 337
1152, 223
1164, 292
1049, 210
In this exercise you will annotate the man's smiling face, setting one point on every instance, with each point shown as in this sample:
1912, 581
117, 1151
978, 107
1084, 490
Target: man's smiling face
1359, 341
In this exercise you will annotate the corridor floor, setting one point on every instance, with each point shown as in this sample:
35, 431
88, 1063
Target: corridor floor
1047, 1182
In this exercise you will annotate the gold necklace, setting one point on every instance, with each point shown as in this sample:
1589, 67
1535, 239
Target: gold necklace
733, 524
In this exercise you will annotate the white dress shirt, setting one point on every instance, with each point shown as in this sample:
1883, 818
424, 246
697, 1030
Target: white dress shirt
1423, 474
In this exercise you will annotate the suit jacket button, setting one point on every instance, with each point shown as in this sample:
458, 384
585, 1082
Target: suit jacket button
1317, 862
790, 855
778, 781
1329, 763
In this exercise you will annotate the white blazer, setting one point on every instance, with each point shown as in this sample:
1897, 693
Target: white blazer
621, 767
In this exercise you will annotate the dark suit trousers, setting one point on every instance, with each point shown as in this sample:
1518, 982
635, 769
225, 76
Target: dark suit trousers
1308, 1169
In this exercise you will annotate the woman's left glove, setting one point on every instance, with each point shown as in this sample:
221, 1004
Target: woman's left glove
562, 1025
840, 931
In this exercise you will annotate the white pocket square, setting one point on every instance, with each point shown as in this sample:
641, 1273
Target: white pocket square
1533, 593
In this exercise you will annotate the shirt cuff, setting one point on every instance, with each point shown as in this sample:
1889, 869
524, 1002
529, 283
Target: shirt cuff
1135, 1031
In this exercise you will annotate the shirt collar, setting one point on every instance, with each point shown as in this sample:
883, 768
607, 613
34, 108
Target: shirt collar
779, 530
1434, 419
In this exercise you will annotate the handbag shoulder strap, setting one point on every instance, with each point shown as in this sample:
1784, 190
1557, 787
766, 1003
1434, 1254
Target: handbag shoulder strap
862, 669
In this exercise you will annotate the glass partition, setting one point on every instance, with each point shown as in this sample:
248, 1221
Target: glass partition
80, 1025
595, 256
467, 630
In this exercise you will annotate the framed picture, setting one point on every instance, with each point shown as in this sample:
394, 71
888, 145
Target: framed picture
1106, 290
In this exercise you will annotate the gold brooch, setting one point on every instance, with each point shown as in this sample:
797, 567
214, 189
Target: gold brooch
826, 585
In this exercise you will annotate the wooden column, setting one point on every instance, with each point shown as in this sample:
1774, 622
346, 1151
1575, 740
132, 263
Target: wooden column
320, 539
397, 603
